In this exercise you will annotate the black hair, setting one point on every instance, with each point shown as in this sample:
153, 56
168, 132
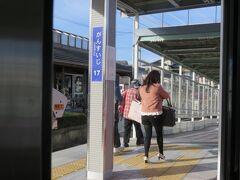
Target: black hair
152, 78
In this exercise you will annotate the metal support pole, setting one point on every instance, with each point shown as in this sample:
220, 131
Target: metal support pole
193, 94
162, 73
207, 98
135, 55
198, 100
136, 47
187, 98
102, 71
215, 103
171, 93
179, 92
218, 102
203, 99
211, 101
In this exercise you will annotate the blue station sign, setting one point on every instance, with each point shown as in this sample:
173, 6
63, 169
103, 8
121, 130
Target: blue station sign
97, 59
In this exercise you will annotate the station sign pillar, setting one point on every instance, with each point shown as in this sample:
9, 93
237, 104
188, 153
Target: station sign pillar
102, 72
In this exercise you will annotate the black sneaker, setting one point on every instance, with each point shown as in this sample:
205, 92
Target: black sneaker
140, 142
126, 145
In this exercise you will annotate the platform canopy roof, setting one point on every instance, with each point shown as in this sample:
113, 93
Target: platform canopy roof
141, 7
196, 47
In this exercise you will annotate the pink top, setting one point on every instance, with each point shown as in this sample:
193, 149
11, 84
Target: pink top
152, 101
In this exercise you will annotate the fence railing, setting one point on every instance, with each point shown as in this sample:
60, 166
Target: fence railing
191, 99
70, 40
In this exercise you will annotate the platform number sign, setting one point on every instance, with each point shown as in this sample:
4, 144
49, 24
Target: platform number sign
97, 47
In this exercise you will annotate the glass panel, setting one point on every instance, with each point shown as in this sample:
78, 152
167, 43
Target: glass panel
205, 107
167, 82
219, 16
177, 18
56, 37
190, 93
79, 103
152, 20
202, 15
78, 43
72, 41
143, 70
85, 44
209, 100
183, 103
195, 101
175, 94
200, 100
64, 39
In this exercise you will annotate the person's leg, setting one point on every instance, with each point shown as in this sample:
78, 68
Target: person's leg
159, 131
139, 133
147, 140
127, 131
117, 142
148, 133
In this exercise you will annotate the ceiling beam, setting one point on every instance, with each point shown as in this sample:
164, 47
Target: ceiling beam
204, 53
210, 64
186, 30
127, 6
200, 60
158, 8
174, 3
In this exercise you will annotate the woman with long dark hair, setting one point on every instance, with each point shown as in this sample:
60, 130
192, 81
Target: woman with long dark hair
152, 95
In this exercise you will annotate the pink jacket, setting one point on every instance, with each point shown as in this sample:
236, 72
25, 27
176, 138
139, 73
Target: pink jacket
152, 101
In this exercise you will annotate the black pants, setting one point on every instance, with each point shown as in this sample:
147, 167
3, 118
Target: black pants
127, 130
149, 122
117, 142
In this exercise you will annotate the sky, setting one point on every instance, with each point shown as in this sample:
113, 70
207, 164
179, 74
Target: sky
73, 16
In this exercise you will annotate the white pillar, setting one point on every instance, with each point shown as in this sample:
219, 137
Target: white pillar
207, 91
135, 55
102, 71
171, 93
211, 102
187, 98
179, 90
198, 100
218, 102
136, 46
203, 100
162, 72
193, 94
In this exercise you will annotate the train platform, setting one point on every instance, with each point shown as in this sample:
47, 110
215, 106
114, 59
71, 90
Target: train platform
189, 156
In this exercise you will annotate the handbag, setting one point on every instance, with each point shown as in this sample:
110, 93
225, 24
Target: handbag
169, 115
134, 111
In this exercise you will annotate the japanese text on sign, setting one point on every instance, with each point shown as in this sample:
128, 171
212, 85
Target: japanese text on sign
97, 54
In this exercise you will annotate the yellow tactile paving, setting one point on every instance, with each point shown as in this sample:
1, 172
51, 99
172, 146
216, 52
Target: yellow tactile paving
174, 170
180, 168
68, 168
118, 159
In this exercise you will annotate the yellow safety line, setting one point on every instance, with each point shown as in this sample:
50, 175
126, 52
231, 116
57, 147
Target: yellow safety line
167, 170
63, 170
180, 168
